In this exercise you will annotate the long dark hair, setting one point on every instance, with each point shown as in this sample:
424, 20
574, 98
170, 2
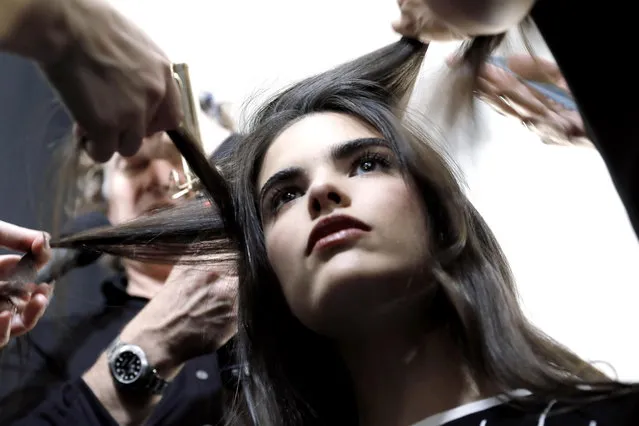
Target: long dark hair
296, 377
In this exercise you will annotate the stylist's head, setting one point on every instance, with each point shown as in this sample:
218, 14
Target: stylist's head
139, 184
125, 188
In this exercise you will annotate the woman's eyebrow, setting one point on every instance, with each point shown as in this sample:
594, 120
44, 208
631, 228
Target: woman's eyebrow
284, 175
348, 148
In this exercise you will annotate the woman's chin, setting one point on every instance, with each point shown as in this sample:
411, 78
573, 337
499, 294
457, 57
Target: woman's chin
351, 285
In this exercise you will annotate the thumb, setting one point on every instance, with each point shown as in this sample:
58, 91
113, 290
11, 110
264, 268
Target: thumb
405, 25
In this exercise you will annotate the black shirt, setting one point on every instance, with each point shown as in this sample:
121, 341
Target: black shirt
622, 410
41, 383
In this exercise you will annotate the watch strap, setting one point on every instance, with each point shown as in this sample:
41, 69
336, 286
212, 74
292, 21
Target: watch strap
156, 384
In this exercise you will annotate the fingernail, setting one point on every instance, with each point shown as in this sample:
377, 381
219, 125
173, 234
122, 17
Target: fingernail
47, 240
43, 299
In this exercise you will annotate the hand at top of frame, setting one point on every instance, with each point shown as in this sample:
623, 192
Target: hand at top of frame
512, 94
445, 20
116, 82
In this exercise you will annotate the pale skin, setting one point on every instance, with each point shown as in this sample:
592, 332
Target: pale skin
184, 300
444, 20
510, 95
393, 361
115, 81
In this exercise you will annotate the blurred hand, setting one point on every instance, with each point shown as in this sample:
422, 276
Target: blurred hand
417, 21
445, 20
21, 313
117, 83
511, 96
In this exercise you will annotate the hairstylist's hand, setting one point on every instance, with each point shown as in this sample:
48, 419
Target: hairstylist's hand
22, 315
194, 314
117, 83
511, 96
418, 21
445, 20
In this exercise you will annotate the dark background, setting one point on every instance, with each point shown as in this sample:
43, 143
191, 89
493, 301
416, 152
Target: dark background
33, 124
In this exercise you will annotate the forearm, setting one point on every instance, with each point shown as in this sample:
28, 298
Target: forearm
41, 30
126, 409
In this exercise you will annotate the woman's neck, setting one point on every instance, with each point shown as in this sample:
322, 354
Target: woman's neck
401, 379
145, 280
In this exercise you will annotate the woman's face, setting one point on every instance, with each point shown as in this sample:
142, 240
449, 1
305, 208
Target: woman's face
345, 232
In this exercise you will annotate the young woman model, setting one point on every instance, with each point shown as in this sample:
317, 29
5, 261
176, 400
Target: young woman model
371, 290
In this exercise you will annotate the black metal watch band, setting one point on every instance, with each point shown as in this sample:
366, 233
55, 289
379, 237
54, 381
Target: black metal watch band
156, 384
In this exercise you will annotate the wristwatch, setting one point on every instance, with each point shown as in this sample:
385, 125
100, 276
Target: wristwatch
131, 371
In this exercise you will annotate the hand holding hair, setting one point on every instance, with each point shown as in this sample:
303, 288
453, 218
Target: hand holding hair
193, 314
116, 82
514, 91
193, 299
418, 21
22, 302
446, 20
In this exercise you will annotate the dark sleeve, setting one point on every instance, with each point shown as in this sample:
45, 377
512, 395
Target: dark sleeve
620, 410
594, 45
74, 404
27, 377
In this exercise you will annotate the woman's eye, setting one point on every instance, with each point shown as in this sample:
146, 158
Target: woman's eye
370, 162
281, 197
367, 166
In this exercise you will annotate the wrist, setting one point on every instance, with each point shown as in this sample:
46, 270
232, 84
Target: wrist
155, 344
129, 410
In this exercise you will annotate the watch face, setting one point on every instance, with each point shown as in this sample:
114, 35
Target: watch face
127, 367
